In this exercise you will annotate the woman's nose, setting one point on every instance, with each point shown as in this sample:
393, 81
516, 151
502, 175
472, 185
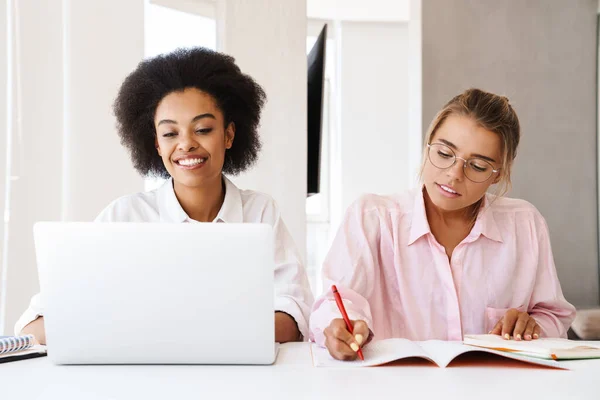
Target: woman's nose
187, 143
458, 169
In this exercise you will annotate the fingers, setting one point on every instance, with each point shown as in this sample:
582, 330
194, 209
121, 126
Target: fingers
519, 325
537, 332
341, 344
508, 322
497, 329
522, 321
361, 332
528, 334
340, 350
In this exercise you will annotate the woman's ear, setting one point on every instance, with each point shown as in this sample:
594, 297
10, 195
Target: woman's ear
497, 179
157, 146
229, 135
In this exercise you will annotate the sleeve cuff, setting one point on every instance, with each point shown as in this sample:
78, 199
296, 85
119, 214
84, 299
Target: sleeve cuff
548, 327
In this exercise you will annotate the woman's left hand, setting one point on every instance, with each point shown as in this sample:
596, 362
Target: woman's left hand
519, 325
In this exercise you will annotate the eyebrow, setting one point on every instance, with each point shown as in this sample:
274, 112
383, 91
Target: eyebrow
196, 118
453, 146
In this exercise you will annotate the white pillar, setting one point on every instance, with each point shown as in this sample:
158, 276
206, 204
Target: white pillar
415, 91
4, 79
374, 96
5, 127
104, 41
36, 154
67, 162
268, 40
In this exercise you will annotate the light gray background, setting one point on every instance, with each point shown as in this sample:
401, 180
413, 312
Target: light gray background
542, 55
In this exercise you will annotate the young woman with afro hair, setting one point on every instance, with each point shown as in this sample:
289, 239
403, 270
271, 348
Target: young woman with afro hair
192, 116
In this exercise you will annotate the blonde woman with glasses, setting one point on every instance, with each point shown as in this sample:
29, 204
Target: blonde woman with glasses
449, 259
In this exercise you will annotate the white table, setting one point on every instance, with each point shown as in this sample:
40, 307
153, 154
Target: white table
294, 377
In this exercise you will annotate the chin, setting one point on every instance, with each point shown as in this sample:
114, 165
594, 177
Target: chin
448, 205
193, 182
190, 181
445, 203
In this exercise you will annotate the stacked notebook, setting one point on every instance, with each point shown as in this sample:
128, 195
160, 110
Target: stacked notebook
549, 349
544, 352
14, 348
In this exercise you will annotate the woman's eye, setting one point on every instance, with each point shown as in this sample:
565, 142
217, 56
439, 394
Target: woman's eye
479, 168
444, 155
204, 131
169, 134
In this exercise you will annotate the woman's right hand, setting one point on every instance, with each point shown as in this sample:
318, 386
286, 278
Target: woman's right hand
36, 328
343, 345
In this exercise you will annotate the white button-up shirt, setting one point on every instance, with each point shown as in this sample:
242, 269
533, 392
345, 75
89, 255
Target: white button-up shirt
292, 290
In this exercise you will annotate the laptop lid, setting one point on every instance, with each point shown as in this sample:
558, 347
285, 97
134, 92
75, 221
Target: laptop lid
139, 293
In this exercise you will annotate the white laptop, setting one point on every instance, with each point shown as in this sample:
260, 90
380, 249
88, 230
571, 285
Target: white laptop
152, 293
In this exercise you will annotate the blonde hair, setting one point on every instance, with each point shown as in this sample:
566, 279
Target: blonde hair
493, 113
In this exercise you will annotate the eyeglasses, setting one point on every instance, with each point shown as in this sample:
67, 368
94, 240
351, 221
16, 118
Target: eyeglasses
476, 169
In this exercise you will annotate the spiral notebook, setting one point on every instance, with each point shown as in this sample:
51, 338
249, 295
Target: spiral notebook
13, 348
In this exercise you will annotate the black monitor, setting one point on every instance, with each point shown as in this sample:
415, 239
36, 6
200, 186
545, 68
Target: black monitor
314, 110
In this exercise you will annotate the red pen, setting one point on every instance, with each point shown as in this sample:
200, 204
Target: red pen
340, 305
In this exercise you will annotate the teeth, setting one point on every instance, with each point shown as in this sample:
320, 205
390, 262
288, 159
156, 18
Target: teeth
447, 189
191, 162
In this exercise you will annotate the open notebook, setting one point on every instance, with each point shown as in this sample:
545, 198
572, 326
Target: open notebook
439, 352
551, 349
13, 348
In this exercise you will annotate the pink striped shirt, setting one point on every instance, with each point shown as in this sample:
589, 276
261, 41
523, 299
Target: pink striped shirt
393, 274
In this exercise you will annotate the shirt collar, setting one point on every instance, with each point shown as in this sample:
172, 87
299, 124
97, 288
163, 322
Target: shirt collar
169, 208
171, 211
419, 225
485, 224
232, 210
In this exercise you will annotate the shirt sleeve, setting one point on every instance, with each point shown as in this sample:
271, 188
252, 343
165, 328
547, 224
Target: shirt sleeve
292, 290
34, 311
117, 211
350, 265
548, 306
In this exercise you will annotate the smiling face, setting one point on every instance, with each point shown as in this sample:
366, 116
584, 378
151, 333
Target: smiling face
191, 137
449, 188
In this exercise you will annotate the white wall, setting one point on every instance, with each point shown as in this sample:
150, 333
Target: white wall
359, 10
374, 110
415, 92
102, 46
205, 8
37, 146
67, 155
268, 40
5, 128
542, 55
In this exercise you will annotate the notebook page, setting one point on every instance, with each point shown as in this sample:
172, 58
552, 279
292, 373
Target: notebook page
444, 352
376, 353
591, 343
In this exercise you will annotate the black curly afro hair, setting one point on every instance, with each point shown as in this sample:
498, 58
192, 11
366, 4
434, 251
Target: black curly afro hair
237, 95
